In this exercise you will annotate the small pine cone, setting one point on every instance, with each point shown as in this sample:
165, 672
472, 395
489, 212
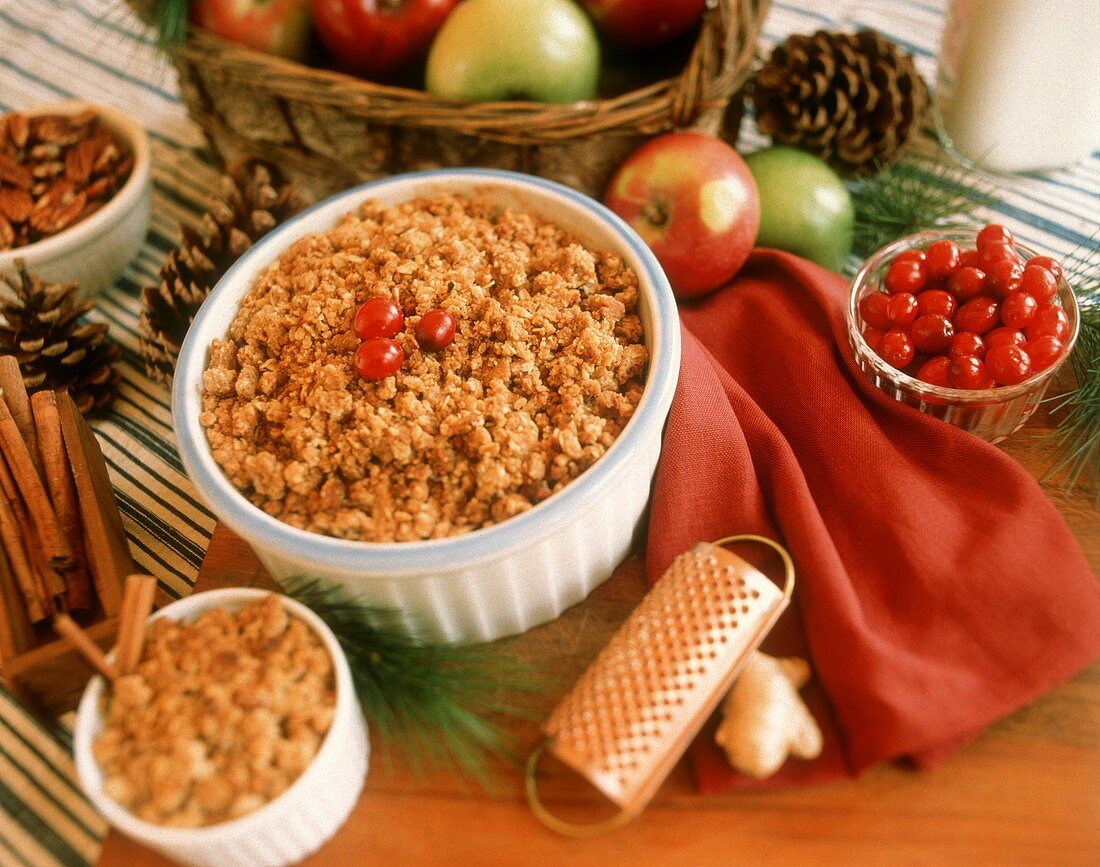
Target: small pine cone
253, 200
853, 99
41, 327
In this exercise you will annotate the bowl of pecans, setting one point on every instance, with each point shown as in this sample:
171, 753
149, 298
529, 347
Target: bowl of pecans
445, 391
232, 737
75, 192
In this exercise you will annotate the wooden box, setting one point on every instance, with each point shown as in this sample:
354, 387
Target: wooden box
52, 474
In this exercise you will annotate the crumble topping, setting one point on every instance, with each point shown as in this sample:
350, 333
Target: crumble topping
545, 369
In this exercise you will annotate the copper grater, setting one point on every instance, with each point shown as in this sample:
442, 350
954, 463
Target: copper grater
632, 714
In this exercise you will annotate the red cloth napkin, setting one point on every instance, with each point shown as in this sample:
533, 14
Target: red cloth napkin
937, 589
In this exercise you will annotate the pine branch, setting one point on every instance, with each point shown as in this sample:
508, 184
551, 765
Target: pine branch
1078, 433
170, 22
440, 703
908, 197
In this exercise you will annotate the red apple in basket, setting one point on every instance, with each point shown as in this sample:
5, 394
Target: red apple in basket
644, 23
377, 38
693, 200
276, 26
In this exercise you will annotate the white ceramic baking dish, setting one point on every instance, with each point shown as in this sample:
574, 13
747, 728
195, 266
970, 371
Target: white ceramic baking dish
502, 579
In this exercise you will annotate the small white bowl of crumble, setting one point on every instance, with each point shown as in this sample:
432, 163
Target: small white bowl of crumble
444, 390
237, 740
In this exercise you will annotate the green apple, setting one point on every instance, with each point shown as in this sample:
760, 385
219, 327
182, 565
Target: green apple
804, 206
539, 50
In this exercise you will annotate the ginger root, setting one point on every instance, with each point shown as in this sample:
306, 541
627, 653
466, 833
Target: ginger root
765, 720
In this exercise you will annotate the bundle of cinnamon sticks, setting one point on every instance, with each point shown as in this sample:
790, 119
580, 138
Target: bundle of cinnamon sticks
63, 549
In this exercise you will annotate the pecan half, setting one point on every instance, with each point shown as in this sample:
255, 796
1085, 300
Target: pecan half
18, 129
16, 204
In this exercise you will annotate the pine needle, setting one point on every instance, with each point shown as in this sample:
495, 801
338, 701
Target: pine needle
170, 22
441, 704
1078, 433
910, 196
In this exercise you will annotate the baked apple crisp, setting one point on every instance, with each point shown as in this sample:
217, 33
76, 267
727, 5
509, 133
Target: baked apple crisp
219, 717
545, 369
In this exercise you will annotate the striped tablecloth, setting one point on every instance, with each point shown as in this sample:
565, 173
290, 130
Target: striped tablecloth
95, 50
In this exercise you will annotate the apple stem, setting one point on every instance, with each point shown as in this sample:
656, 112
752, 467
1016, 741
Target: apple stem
656, 213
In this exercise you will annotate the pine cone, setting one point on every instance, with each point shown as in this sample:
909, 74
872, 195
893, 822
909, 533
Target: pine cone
855, 100
41, 329
254, 199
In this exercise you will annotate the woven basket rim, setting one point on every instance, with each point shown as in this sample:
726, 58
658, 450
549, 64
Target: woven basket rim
719, 63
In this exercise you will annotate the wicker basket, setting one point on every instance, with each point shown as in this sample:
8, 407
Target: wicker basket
329, 131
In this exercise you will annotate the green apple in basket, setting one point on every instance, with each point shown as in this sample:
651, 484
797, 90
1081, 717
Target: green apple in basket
539, 50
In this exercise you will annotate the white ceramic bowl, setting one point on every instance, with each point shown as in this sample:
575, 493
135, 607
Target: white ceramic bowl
502, 579
97, 249
286, 829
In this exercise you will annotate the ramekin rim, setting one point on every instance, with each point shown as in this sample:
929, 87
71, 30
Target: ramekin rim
411, 558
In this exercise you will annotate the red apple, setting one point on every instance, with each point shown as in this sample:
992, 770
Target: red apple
693, 200
377, 38
275, 26
643, 23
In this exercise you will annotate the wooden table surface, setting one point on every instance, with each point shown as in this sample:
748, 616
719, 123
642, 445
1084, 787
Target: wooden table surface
1026, 791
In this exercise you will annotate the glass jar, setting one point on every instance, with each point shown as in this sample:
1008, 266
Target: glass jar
1018, 83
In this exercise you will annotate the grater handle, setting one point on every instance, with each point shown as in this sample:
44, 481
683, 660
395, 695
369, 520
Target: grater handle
784, 554
594, 829
566, 829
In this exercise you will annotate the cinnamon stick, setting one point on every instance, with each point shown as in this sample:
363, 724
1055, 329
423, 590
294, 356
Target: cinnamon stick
14, 535
78, 639
16, 636
137, 602
62, 490
43, 518
106, 548
13, 388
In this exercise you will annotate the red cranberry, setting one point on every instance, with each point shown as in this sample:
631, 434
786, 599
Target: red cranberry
1048, 263
1039, 282
993, 234
873, 309
1018, 310
436, 330
1003, 335
902, 309
995, 252
936, 371
969, 372
1007, 364
936, 301
1050, 321
932, 333
378, 317
378, 358
905, 276
1004, 277
966, 343
978, 314
966, 283
1044, 351
897, 348
942, 259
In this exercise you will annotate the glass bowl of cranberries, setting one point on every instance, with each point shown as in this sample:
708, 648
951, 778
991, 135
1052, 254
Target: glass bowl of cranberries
969, 327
